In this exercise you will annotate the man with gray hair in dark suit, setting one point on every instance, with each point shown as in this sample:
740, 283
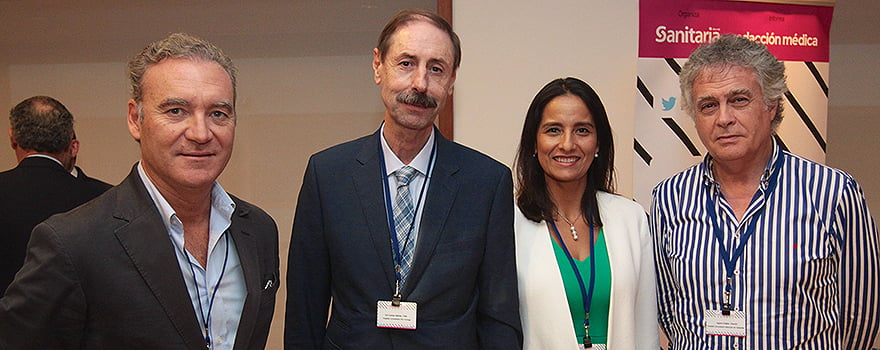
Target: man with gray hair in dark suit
167, 259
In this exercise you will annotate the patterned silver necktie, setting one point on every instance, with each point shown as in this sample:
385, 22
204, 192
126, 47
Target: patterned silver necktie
404, 213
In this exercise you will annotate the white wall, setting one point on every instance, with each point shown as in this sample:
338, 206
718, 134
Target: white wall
854, 113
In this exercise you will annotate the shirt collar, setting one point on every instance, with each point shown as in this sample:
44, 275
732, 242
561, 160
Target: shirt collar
222, 207
769, 169
47, 157
421, 162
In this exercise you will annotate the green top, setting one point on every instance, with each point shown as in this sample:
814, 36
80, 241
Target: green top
601, 291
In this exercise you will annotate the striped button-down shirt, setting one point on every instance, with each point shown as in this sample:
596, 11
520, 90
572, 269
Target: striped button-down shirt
807, 278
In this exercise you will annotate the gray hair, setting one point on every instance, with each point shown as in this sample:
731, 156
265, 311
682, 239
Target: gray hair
177, 45
41, 124
734, 50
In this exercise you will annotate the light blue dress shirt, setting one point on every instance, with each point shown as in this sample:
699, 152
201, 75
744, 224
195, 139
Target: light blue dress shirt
201, 282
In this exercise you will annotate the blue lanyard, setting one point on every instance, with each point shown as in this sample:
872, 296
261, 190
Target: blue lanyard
586, 295
730, 263
389, 213
207, 318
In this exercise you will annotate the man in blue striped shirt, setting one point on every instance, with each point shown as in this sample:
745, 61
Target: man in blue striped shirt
757, 248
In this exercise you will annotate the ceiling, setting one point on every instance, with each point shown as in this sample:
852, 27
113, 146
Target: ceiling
74, 31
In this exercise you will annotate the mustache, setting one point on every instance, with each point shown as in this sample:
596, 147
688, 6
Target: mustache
415, 98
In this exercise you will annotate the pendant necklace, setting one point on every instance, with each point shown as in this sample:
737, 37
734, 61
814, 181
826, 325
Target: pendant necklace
574, 233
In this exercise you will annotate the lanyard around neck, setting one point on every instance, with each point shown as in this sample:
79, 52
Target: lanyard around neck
731, 258
389, 213
206, 318
586, 294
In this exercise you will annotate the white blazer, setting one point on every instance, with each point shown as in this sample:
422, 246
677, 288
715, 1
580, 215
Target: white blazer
632, 314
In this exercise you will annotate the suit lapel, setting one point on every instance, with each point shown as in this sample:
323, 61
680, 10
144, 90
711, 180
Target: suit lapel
246, 246
370, 192
442, 189
145, 240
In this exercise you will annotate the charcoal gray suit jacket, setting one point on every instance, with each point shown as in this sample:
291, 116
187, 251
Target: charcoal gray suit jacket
105, 276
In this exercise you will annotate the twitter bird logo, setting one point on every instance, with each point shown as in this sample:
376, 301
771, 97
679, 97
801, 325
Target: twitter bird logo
668, 103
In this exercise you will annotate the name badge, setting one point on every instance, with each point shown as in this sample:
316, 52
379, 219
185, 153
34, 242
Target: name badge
733, 325
399, 317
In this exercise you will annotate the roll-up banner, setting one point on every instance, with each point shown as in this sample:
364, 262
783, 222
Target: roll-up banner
665, 139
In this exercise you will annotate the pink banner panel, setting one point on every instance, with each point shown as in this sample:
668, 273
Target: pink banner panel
674, 28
